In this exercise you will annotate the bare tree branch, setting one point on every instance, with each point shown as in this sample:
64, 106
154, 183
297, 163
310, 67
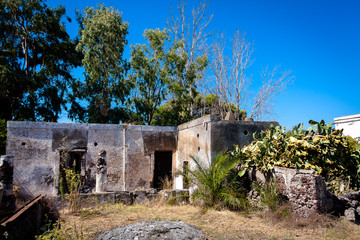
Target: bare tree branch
231, 83
273, 83
192, 31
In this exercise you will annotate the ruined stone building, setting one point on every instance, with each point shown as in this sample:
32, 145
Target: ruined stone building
136, 156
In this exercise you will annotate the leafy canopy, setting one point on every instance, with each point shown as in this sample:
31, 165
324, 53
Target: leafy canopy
36, 59
102, 41
152, 73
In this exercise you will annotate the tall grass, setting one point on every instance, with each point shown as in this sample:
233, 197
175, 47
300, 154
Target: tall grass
269, 193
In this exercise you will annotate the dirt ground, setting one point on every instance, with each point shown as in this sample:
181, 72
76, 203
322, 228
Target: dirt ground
216, 224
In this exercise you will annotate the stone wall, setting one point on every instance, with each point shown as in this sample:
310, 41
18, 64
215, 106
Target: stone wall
305, 190
38, 147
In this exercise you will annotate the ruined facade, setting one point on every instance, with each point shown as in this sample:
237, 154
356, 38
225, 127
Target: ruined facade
136, 156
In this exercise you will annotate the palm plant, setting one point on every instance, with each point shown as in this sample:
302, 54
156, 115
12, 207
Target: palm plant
218, 185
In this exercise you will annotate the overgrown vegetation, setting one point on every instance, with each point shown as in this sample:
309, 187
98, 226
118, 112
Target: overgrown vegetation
70, 187
162, 83
269, 194
3, 131
54, 231
219, 184
320, 147
166, 183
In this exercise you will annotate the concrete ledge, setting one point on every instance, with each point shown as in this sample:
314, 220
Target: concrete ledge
87, 126
129, 198
199, 121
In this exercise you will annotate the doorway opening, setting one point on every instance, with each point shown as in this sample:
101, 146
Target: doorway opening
186, 183
162, 169
71, 162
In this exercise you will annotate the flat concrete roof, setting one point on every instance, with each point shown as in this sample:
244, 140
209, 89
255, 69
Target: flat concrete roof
348, 118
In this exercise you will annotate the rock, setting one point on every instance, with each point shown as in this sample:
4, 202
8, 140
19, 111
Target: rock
124, 197
350, 214
151, 191
230, 116
147, 230
140, 196
358, 211
352, 195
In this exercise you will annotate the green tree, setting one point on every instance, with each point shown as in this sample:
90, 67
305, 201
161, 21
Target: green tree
102, 40
152, 73
160, 71
36, 58
193, 32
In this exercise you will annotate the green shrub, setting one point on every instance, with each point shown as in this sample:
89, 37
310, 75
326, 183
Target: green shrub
54, 231
320, 148
70, 186
219, 184
269, 194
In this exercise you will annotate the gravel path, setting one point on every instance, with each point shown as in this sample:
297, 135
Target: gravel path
153, 230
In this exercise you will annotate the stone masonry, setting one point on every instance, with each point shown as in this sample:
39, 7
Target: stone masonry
305, 190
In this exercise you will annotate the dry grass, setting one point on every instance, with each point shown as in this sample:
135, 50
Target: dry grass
215, 224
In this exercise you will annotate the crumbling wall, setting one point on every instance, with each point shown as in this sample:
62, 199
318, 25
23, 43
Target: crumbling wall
7, 198
142, 142
194, 139
38, 147
34, 161
109, 138
305, 190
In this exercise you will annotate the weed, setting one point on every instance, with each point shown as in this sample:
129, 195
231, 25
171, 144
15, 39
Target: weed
182, 198
55, 231
73, 188
270, 196
166, 183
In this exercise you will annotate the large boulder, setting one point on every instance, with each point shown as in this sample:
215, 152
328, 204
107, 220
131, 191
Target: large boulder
148, 230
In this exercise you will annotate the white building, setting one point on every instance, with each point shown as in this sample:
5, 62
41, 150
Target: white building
350, 124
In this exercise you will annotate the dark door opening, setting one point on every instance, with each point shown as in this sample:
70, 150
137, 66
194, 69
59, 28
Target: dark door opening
186, 183
162, 169
70, 160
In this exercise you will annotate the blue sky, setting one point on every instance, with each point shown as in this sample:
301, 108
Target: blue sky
319, 41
